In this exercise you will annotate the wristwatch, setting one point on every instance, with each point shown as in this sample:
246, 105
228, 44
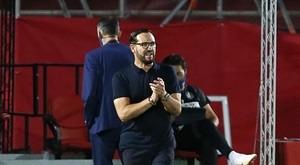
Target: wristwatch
165, 97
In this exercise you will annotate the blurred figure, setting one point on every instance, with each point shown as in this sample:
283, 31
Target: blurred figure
203, 136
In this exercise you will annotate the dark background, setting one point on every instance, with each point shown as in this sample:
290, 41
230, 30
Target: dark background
233, 10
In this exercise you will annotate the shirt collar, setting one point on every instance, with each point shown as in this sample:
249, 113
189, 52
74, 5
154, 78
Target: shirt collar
154, 67
113, 41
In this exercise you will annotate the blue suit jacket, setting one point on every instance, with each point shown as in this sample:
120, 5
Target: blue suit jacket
99, 67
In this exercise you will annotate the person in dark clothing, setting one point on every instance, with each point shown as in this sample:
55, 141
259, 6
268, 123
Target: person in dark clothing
99, 111
146, 95
202, 136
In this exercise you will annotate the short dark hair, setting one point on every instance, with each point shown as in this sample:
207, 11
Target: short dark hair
175, 59
108, 25
132, 37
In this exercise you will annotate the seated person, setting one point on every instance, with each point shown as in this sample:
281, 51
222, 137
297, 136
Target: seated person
203, 136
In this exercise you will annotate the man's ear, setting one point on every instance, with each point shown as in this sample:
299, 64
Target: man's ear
132, 47
99, 33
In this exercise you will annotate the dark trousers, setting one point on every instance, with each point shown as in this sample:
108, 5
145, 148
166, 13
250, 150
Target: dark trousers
149, 156
104, 145
204, 138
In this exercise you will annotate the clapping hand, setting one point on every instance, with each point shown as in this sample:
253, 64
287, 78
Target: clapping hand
158, 88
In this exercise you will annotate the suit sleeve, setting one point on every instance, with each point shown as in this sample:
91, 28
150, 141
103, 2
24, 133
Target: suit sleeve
90, 91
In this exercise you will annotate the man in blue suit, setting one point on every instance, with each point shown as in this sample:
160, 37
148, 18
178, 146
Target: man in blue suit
99, 67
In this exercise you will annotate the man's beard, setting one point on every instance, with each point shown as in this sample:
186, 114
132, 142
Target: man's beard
144, 59
147, 62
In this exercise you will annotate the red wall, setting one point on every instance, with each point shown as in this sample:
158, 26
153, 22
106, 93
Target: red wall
223, 59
